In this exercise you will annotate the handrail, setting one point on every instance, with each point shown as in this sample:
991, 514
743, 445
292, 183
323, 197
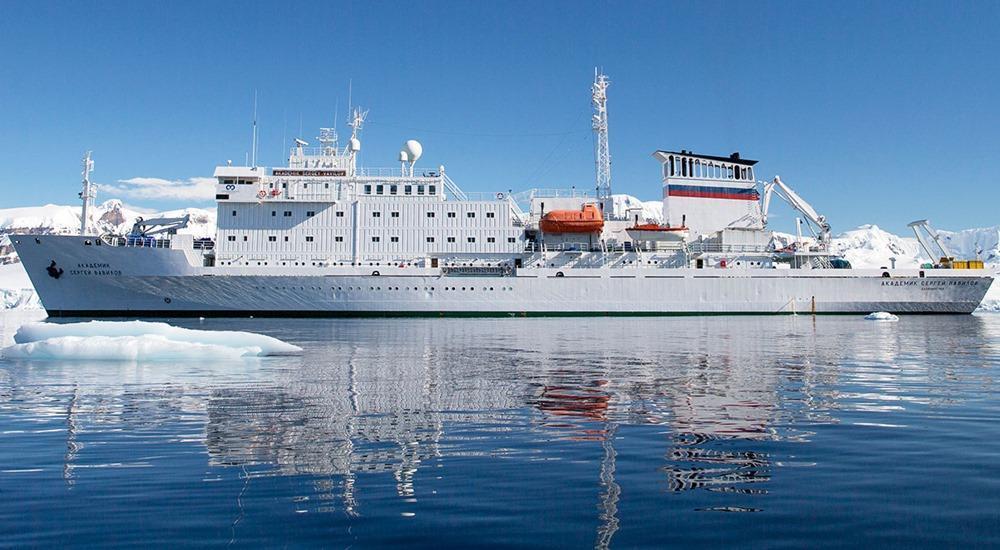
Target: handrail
453, 188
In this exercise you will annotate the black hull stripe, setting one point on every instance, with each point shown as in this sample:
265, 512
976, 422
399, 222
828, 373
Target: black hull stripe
363, 314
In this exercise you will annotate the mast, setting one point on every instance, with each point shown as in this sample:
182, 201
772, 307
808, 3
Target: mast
602, 154
88, 193
253, 140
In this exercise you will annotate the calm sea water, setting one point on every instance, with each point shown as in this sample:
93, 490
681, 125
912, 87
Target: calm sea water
751, 432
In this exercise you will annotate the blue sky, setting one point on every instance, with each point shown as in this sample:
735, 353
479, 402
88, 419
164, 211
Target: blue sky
875, 112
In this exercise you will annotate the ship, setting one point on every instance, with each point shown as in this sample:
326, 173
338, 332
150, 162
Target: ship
323, 236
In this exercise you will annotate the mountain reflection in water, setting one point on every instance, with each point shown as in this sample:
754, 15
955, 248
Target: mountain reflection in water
631, 410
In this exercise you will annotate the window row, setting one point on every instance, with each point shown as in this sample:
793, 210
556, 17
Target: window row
288, 213
378, 214
382, 189
394, 239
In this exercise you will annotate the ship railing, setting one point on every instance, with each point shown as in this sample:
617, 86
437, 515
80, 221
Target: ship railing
396, 174
572, 193
204, 244
717, 248
137, 242
562, 247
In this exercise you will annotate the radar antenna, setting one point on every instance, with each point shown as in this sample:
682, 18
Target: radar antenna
328, 140
89, 192
602, 154
357, 121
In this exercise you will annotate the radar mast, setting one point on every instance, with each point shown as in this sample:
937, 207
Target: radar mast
602, 154
88, 193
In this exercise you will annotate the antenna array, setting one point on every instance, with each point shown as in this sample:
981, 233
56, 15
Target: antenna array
602, 154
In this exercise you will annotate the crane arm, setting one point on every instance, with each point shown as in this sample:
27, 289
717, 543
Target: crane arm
799, 204
154, 226
935, 237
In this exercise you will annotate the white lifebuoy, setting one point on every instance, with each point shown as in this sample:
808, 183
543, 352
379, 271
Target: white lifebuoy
261, 194
500, 196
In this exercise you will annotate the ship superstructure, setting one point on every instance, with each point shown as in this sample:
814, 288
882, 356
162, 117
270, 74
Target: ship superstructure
324, 236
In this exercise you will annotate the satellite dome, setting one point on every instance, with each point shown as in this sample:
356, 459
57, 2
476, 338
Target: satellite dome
413, 149
355, 144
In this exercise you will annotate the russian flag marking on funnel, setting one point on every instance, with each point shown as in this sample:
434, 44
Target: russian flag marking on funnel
707, 192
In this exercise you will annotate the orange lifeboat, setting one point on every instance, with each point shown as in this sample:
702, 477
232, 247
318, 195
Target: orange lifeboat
586, 220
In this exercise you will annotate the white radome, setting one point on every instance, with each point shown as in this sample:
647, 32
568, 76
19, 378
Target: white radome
413, 149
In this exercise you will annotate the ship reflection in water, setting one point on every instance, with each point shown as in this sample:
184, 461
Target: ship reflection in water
597, 425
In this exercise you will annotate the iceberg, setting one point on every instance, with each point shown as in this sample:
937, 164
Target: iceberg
881, 316
139, 341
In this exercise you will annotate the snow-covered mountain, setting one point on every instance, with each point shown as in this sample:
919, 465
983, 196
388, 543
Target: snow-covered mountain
866, 246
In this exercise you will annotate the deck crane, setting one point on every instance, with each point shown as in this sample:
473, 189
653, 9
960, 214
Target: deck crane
946, 256
155, 226
798, 203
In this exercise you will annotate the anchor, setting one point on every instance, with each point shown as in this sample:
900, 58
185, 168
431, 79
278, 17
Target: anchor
54, 272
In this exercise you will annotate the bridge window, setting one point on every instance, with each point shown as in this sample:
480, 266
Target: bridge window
451, 239
393, 189
491, 214
408, 189
395, 214
420, 189
338, 239
470, 214
451, 214
430, 239
430, 214
272, 238
471, 239
491, 239
376, 214
375, 239
379, 189
394, 239
368, 189
511, 240
340, 213
288, 213
231, 238
432, 190
310, 214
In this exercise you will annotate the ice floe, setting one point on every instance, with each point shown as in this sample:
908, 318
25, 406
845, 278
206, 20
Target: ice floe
881, 316
138, 341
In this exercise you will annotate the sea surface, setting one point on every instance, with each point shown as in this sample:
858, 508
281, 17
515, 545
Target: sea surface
759, 432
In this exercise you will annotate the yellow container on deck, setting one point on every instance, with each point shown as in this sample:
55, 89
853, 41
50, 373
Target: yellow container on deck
960, 264
976, 264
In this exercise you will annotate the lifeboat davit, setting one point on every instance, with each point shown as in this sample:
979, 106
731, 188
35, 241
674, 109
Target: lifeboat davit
586, 220
656, 232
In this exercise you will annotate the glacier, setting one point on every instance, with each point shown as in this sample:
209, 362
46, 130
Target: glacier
138, 341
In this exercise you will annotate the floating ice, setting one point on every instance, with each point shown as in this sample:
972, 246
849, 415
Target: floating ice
881, 316
138, 341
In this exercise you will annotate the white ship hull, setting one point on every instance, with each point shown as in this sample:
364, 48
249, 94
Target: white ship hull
122, 281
